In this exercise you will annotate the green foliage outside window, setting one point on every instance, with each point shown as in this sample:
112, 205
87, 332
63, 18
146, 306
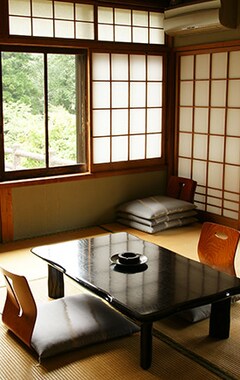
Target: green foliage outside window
24, 104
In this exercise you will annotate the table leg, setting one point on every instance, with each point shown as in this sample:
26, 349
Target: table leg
55, 283
146, 345
220, 319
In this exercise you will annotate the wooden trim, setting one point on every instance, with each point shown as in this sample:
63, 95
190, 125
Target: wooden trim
204, 216
78, 177
212, 47
4, 26
6, 215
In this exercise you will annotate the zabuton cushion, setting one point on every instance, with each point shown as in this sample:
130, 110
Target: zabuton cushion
76, 321
158, 227
155, 207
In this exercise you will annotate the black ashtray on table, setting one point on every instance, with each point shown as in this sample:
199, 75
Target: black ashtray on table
129, 262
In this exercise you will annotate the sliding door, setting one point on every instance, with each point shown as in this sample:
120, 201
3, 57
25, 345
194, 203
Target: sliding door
208, 130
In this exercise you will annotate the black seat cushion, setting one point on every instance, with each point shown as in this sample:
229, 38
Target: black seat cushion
76, 321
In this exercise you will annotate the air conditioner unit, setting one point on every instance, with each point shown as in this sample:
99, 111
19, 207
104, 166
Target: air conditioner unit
205, 16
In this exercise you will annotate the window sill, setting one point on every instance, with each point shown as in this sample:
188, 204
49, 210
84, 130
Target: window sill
75, 177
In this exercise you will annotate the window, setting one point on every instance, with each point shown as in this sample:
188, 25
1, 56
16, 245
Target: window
126, 25
81, 88
43, 111
54, 18
126, 107
48, 18
209, 133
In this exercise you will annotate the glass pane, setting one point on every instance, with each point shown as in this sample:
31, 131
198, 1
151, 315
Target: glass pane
233, 120
101, 95
154, 94
186, 67
23, 110
202, 66
234, 67
184, 167
62, 109
42, 28
84, 12
219, 65
137, 121
218, 93
230, 205
215, 175
157, 36
119, 66
137, 67
137, 94
101, 66
185, 119
201, 93
153, 146
19, 7
137, 147
185, 145
119, 95
84, 31
119, 122
216, 148
119, 148
101, 123
64, 29
201, 120
234, 93
105, 32
217, 120
200, 146
42, 8
101, 150
214, 210
123, 16
215, 193
231, 196
63, 10
231, 214
155, 67
186, 94
20, 26
156, 19
154, 120
123, 34
105, 15
232, 178
233, 150
140, 18
140, 35
214, 201
199, 172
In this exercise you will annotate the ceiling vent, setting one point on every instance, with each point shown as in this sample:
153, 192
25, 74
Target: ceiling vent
206, 16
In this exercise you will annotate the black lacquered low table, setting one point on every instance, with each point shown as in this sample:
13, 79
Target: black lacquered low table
161, 284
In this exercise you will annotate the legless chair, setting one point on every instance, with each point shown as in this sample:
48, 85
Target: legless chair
181, 188
60, 325
217, 246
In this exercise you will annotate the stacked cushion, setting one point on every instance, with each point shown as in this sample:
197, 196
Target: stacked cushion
156, 213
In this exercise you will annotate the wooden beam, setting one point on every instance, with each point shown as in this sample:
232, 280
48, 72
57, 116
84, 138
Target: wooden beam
6, 215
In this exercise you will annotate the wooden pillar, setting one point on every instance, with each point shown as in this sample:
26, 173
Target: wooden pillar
6, 215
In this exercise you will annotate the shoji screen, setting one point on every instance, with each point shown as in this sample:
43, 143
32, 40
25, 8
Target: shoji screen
209, 129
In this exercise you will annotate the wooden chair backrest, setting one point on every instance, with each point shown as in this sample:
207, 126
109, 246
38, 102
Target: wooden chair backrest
20, 311
217, 246
181, 188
